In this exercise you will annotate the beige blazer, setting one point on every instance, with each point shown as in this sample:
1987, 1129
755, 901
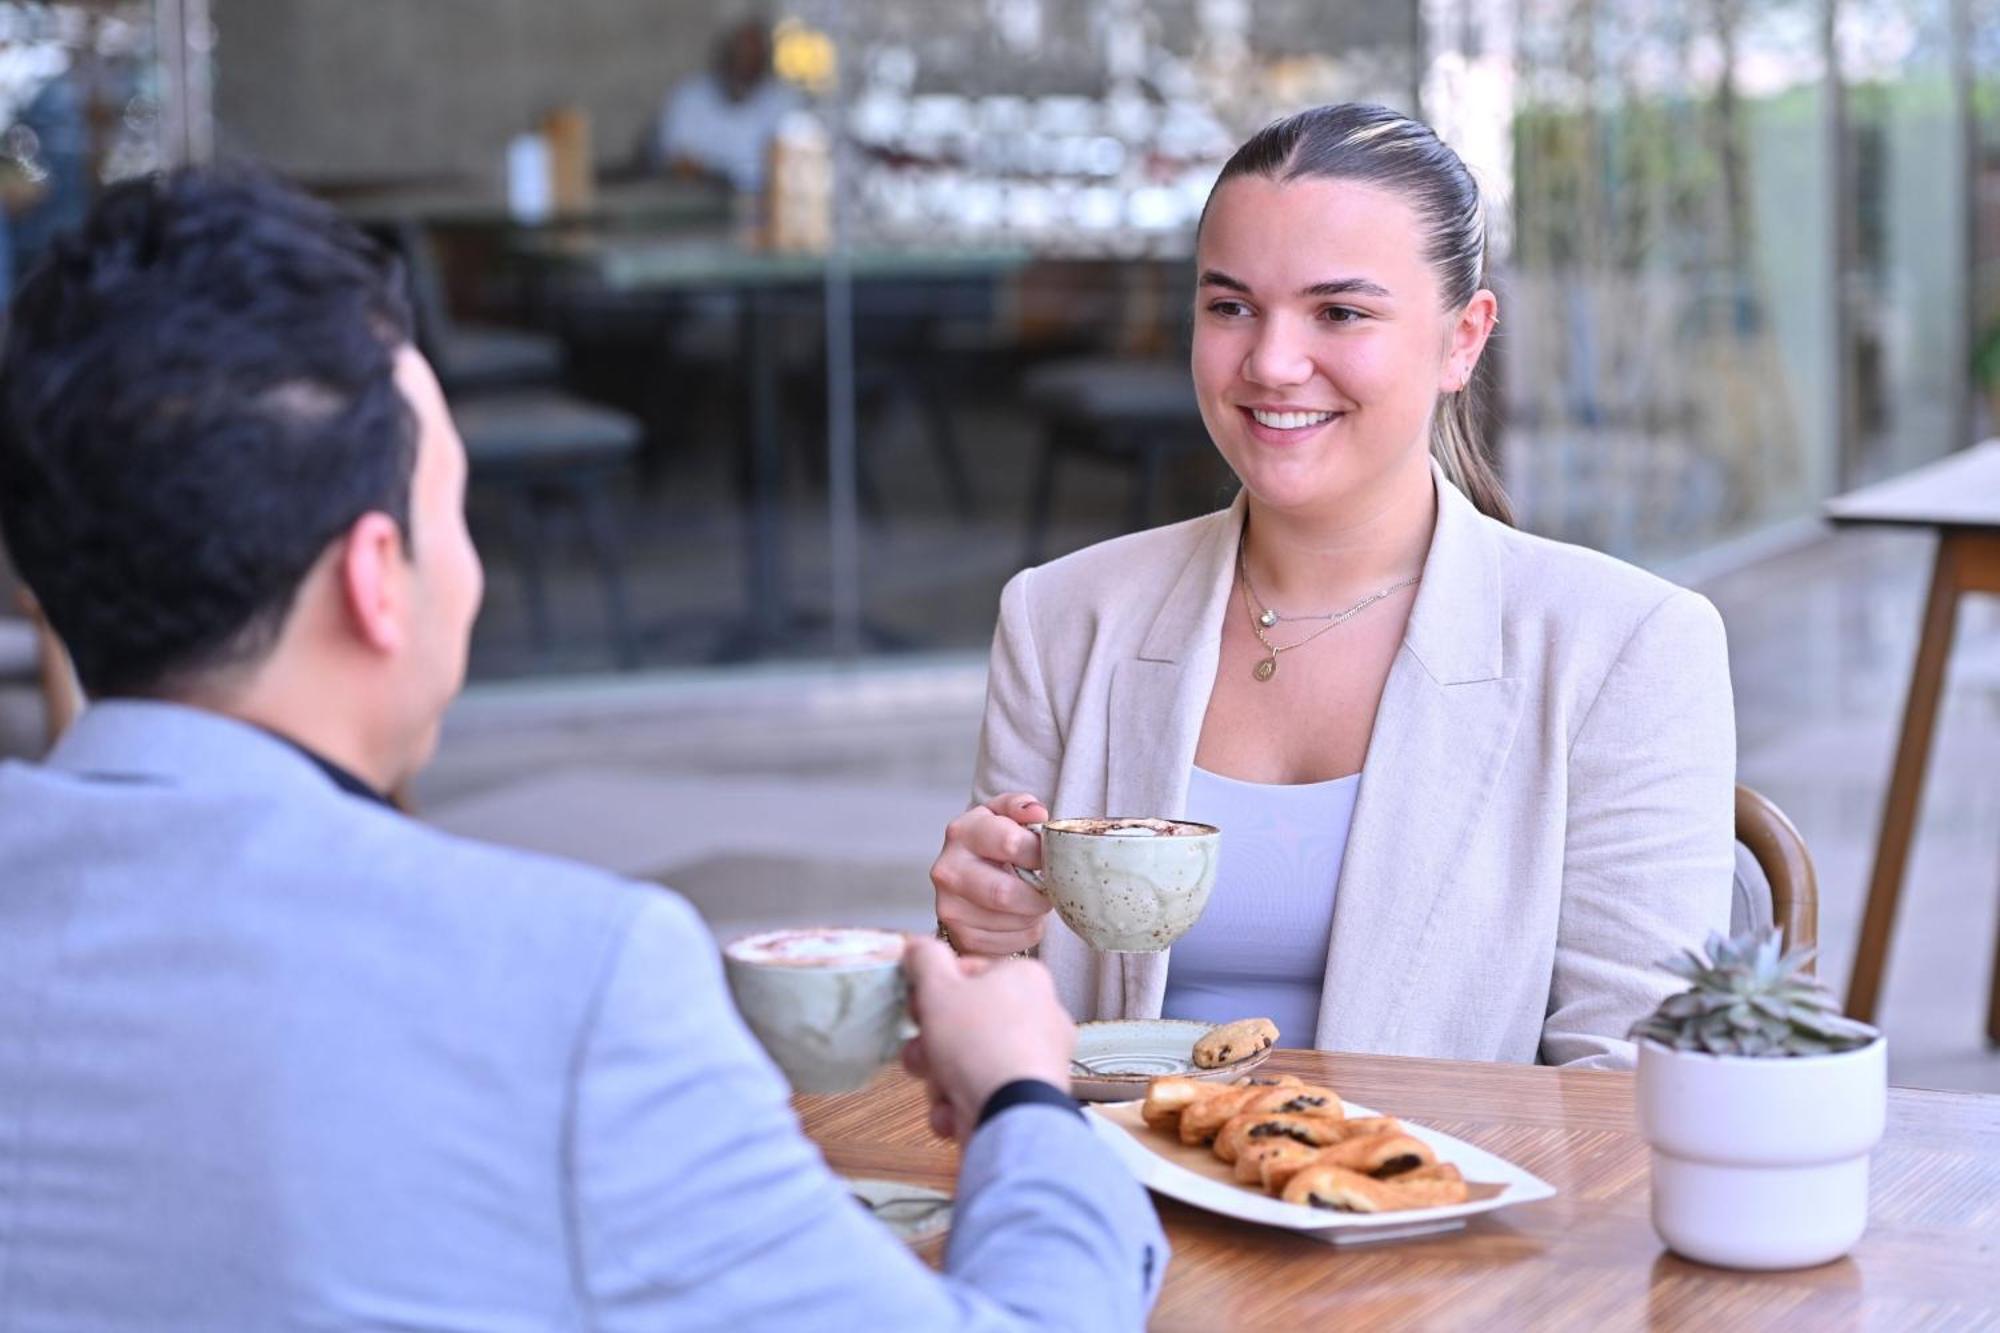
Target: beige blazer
1546, 810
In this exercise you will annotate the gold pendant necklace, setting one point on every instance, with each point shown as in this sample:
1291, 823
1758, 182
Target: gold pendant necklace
1262, 618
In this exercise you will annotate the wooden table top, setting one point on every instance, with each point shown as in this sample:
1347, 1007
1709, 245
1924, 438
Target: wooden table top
1960, 490
1586, 1259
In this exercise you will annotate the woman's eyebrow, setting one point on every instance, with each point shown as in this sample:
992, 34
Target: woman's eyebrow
1215, 277
1346, 287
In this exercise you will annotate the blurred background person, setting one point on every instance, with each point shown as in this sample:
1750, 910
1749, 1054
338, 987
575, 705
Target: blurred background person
720, 123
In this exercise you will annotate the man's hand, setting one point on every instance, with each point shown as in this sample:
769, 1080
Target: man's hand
982, 1023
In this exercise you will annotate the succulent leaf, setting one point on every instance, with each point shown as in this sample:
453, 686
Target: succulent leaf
1748, 996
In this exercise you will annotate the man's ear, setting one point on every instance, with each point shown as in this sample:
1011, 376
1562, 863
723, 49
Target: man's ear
374, 581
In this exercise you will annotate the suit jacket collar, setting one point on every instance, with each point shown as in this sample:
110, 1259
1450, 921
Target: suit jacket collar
141, 740
1190, 618
1454, 626
1442, 734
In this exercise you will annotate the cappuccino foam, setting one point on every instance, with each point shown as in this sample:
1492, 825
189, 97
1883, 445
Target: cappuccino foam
1130, 828
833, 946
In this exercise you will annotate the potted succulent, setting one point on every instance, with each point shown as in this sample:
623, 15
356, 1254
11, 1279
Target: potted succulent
1761, 1101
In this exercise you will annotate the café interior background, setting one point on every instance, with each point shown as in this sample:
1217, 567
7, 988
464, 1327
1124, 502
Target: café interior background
1746, 251
1733, 284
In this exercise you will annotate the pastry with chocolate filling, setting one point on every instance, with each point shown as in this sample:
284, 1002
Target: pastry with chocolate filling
1245, 1128
1272, 1155
1323, 1185
1167, 1097
1384, 1154
1201, 1122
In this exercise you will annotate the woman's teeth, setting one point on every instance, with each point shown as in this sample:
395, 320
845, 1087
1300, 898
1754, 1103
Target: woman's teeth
1290, 420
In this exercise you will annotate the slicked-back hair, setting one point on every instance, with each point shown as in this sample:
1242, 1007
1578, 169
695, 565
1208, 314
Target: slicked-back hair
197, 396
1373, 145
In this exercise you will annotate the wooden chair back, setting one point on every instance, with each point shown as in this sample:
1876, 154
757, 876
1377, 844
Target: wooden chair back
1781, 854
62, 694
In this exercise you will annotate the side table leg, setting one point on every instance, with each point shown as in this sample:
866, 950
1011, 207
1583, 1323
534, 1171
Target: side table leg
1906, 783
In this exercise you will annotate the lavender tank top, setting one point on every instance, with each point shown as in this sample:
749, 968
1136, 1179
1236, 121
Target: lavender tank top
1259, 949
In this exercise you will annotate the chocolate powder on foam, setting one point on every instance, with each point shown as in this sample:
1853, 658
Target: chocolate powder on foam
819, 947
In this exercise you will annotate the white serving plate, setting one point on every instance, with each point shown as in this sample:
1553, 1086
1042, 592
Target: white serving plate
1116, 1059
1195, 1175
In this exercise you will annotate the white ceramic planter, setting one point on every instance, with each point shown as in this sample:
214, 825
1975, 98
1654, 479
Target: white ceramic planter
1761, 1163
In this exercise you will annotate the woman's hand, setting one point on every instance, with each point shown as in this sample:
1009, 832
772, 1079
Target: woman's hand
980, 900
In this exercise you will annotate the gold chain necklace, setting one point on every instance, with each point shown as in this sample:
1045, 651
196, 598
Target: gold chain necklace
1261, 617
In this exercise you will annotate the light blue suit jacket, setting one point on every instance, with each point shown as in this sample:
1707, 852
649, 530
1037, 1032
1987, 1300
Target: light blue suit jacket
274, 1057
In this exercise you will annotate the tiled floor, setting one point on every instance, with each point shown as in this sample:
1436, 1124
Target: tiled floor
814, 794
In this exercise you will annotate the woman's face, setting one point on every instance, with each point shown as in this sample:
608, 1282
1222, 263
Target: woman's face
1321, 340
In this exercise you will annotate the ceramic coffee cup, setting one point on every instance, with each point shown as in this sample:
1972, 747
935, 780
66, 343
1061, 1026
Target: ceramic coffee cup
1127, 885
829, 1004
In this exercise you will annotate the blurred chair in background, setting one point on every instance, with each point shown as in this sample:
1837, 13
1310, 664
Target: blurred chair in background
547, 451
550, 453
30, 653
467, 356
912, 339
1134, 414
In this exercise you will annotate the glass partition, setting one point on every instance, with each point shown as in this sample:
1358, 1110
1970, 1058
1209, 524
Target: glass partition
79, 102
1036, 397
1905, 273
1667, 367
798, 344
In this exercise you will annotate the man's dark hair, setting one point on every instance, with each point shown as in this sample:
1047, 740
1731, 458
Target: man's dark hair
197, 395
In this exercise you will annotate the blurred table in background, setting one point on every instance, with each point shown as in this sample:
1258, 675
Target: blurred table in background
1957, 498
760, 285
482, 205
632, 262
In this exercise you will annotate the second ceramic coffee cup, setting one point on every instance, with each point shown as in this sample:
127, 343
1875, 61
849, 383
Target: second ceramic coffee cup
828, 1004
1129, 885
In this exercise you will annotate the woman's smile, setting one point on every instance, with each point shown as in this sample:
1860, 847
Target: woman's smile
1271, 424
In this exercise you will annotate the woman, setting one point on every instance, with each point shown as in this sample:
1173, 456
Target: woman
1474, 785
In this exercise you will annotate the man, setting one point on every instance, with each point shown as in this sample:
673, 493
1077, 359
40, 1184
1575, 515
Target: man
272, 1055
721, 122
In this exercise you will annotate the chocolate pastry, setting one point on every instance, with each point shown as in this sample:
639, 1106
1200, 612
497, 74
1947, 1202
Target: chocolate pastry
1323, 1185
